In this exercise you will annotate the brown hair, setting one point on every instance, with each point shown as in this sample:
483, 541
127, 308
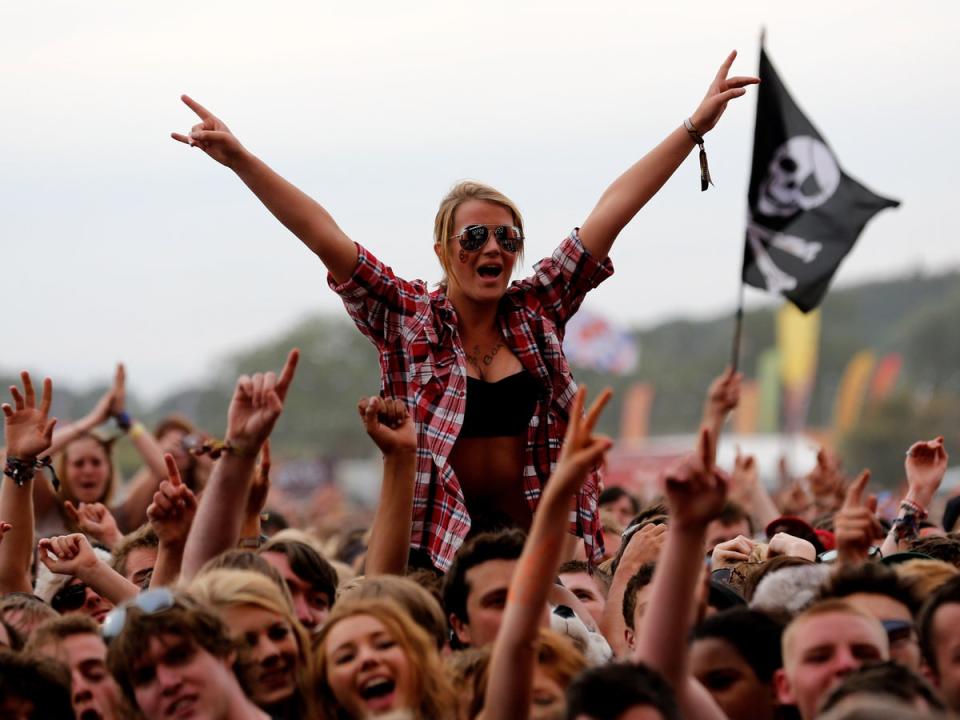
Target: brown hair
460, 193
432, 686
419, 603
143, 537
60, 628
924, 577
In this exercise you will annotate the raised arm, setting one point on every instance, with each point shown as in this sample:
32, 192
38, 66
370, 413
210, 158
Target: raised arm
696, 493
301, 215
28, 433
72, 555
925, 466
390, 426
254, 410
171, 515
631, 191
510, 686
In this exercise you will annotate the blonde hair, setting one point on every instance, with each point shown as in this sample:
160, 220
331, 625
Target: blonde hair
460, 193
432, 687
224, 588
924, 577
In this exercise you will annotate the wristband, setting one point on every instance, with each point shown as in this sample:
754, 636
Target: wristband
136, 430
705, 180
20, 470
911, 507
252, 543
123, 420
215, 448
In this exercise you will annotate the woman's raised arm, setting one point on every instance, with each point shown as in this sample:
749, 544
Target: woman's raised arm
631, 191
301, 215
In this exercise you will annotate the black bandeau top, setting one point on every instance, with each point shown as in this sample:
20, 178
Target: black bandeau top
502, 408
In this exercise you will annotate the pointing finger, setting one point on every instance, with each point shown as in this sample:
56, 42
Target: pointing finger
593, 414
855, 492
199, 109
286, 375
173, 472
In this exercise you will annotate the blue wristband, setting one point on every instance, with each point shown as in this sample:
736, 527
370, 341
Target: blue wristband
123, 420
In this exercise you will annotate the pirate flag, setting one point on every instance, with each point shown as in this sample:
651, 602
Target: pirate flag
805, 212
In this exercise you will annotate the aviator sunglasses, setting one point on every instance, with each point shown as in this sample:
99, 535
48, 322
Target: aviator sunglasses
150, 602
474, 237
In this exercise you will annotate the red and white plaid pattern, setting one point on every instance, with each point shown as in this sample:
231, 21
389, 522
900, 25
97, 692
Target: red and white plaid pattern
422, 361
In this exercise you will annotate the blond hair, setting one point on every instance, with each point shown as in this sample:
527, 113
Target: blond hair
63, 465
460, 193
433, 692
225, 588
924, 577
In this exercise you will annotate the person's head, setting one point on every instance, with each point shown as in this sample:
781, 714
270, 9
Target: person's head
170, 654
939, 626
462, 252
939, 548
655, 513
75, 641
172, 433
274, 656
620, 503
373, 658
889, 680
822, 644
418, 602
85, 469
734, 654
475, 587
924, 577
589, 588
732, 521
878, 590
68, 594
312, 581
558, 663
635, 599
136, 554
33, 687
23, 613
622, 691
785, 583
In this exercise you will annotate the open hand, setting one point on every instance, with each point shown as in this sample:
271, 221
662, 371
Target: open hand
27, 430
581, 449
67, 554
173, 508
856, 525
256, 406
96, 520
389, 424
722, 90
211, 135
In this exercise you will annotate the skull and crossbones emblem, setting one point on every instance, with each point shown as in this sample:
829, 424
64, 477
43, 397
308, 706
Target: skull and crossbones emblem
802, 175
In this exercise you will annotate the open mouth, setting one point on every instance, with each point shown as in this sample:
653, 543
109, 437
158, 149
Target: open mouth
490, 271
182, 706
378, 692
90, 714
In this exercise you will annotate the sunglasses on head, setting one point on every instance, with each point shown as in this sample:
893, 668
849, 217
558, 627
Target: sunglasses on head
474, 237
70, 598
150, 602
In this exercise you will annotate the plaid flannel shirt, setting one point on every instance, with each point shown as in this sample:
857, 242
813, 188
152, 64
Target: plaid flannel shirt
422, 361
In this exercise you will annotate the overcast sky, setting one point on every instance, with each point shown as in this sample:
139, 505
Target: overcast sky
119, 243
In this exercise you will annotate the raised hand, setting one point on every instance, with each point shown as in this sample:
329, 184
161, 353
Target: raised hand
173, 508
95, 520
732, 552
256, 405
210, 135
789, 545
581, 449
118, 394
744, 478
27, 430
389, 424
856, 525
724, 394
925, 465
67, 554
722, 90
696, 490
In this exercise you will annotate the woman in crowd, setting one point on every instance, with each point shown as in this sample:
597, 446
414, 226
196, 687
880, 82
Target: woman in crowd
274, 663
478, 361
373, 658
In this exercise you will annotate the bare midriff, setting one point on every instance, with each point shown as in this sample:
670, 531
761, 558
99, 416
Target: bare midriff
490, 471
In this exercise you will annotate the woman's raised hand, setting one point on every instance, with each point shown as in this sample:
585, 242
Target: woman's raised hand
211, 135
581, 448
118, 393
27, 430
722, 90
256, 406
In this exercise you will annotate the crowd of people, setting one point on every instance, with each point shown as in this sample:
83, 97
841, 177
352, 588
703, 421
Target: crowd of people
498, 577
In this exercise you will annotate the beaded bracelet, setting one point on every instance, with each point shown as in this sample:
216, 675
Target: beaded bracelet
20, 470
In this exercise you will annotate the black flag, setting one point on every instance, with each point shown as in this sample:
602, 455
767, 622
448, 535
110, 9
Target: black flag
805, 213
